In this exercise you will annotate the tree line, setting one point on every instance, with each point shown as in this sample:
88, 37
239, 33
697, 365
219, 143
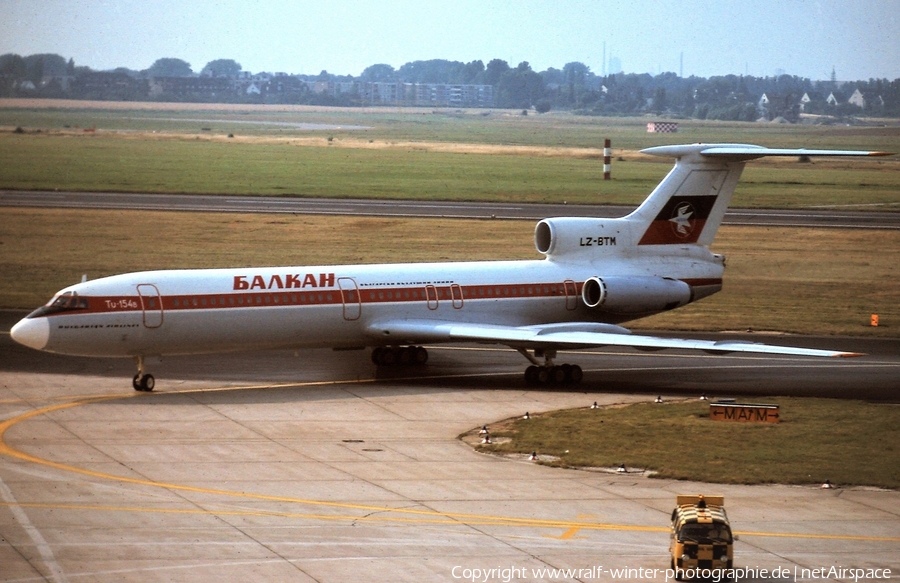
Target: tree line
573, 87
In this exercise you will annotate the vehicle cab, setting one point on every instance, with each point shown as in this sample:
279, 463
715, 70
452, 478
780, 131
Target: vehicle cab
701, 535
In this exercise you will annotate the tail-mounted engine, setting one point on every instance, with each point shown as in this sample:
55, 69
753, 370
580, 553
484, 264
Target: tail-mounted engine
562, 236
635, 294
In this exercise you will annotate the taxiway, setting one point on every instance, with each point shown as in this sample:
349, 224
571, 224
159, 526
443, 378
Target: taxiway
312, 467
835, 218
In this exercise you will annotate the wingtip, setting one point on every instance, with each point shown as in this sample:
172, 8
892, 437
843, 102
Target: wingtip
849, 354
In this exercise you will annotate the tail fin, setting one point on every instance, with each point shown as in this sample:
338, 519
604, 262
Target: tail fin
689, 204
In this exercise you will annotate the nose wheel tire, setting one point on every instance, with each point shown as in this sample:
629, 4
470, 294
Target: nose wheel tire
143, 383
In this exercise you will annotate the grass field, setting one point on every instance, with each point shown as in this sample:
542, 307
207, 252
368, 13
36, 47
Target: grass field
475, 126
404, 153
817, 440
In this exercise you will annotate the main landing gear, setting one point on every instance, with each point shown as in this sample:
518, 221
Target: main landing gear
548, 373
399, 355
142, 381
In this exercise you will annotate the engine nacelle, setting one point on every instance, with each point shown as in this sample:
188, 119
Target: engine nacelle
563, 236
635, 294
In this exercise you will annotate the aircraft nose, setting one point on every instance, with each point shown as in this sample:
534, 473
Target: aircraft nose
32, 332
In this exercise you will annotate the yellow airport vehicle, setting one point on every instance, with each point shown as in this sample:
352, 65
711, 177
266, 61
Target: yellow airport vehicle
701, 536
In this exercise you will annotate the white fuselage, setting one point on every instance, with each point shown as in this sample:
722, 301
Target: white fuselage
215, 310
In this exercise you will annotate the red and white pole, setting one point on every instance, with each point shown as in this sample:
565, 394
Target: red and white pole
607, 159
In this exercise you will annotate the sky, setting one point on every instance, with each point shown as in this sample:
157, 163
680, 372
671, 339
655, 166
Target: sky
860, 40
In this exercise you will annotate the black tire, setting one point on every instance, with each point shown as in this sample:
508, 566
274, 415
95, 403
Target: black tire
557, 375
388, 357
143, 383
421, 355
574, 375
543, 375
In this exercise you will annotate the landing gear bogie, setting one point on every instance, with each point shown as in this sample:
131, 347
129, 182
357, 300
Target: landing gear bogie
549, 373
399, 355
566, 374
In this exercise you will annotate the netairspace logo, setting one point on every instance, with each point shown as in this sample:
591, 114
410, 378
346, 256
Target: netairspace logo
508, 574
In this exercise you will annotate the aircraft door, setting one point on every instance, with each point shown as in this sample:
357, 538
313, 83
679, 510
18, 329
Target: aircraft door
151, 305
431, 297
571, 289
456, 295
350, 298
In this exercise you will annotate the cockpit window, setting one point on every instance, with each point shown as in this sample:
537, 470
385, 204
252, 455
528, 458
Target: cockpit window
67, 302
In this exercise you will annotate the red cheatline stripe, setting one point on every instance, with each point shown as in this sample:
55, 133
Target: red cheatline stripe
333, 296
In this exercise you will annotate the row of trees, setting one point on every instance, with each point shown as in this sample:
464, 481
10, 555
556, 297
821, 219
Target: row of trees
573, 87
38, 68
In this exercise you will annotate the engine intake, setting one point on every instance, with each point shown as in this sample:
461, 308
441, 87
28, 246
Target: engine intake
635, 294
574, 236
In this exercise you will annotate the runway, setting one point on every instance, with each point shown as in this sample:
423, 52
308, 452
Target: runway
848, 219
313, 467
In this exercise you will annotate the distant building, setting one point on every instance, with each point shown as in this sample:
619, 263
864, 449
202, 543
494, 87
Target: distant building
190, 86
615, 65
857, 99
427, 94
109, 85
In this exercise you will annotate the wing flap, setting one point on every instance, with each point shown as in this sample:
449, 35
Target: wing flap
570, 335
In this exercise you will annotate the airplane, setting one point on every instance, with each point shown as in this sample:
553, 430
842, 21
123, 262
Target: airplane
596, 274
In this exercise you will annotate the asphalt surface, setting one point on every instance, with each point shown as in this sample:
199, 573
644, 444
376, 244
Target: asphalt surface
275, 466
316, 466
875, 376
422, 209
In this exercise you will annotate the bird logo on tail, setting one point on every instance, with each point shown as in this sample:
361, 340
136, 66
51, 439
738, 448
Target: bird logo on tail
681, 220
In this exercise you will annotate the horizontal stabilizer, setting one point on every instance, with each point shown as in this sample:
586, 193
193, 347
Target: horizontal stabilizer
743, 152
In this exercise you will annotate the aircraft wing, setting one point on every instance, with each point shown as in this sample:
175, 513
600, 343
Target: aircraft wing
568, 336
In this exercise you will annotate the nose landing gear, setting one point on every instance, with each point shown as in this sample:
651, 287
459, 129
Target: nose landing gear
548, 373
142, 381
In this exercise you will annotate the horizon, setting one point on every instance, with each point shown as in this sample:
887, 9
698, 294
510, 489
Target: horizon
196, 71
800, 38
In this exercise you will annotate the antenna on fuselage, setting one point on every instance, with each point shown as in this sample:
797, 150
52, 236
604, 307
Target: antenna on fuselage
83, 277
